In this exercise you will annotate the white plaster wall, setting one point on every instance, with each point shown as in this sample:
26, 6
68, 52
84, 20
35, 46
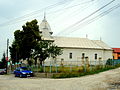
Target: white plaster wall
108, 54
90, 53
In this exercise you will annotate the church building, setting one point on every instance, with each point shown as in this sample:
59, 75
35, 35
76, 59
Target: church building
76, 49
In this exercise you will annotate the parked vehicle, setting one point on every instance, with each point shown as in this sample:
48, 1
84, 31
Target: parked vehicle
2, 71
23, 72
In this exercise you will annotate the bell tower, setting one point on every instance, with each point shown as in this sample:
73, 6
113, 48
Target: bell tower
45, 29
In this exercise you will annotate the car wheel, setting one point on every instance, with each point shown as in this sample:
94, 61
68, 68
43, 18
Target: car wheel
20, 75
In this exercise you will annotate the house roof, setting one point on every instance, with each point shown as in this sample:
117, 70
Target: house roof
101, 44
45, 29
45, 25
72, 42
117, 50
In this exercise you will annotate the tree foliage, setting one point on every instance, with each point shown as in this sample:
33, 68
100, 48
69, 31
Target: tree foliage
25, 41
45, 49
3, 62
55, 51
28, 43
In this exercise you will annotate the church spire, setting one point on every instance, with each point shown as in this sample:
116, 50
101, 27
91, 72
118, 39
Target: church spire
44, 15
45, 28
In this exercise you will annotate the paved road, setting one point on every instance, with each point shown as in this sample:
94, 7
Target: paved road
99, 81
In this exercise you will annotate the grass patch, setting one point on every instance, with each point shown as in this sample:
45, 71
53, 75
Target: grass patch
74, 71
95, 70
59, 69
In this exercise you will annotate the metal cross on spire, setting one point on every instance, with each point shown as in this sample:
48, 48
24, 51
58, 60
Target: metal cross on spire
44, 15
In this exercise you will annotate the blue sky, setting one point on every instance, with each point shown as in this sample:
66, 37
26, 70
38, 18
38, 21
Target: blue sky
62, 15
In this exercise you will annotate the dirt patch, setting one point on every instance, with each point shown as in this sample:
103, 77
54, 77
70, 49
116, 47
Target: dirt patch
109, 80
43, 75
114, 85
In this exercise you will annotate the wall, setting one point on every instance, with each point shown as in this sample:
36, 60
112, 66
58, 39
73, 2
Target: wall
90, 53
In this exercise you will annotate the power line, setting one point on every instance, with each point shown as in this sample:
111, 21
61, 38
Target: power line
30, 14
25, 17
95, 18
72, 6
61, 9
85, 17
85, 5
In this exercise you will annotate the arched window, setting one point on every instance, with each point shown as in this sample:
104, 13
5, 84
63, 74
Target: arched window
95, 56
83, 55
70, 55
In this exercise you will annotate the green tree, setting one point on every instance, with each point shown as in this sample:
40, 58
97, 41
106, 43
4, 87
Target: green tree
14, 52
31, 37
3, 62
42, 50
28, 44
45, 49
55, 51
25, 41
16, 47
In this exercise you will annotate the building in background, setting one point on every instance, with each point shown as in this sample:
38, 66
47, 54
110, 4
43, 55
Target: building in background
116, 53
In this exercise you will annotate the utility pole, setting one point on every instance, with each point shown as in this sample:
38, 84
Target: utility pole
7, 56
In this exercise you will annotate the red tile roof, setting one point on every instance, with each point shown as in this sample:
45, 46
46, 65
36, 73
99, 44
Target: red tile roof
117, 50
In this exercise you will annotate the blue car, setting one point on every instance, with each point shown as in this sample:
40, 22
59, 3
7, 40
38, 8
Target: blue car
23, 72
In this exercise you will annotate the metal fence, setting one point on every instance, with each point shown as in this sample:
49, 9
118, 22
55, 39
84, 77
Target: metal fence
73, 66
69, 66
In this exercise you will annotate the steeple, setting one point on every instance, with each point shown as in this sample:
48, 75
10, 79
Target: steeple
45, 29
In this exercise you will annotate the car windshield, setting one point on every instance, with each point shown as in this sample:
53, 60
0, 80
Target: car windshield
23, 69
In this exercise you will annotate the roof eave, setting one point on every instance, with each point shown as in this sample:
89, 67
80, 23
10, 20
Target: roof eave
85, 48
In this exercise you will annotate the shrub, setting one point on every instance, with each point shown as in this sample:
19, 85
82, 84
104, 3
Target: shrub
110, 62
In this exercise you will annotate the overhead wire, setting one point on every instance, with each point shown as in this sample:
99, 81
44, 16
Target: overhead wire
95, 18
83, 6
63, 9
72, 6
73, 25
35, 12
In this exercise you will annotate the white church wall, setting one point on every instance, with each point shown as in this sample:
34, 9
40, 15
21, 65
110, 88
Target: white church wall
108, 54
77, 56
90, 53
